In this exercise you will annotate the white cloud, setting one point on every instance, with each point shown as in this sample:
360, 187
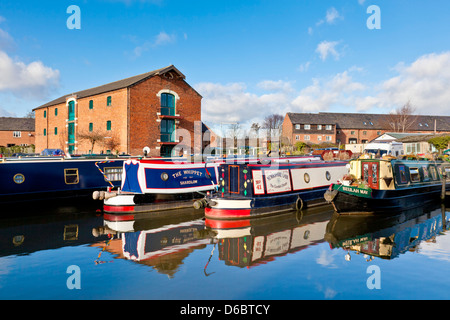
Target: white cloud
233, 102
160, 39
327, 48
332, 15
27, 80
304, 67
6, 41
424, 82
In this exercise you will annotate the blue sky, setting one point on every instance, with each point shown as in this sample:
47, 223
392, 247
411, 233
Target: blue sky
248, 59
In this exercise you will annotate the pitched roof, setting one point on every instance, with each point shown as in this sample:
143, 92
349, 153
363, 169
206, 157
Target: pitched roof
420, 138
16, 124
369, 121
124, 83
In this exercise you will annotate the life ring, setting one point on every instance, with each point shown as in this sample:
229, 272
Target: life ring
299, 204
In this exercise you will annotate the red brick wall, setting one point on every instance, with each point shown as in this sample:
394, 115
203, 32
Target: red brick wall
144, 105
7, 137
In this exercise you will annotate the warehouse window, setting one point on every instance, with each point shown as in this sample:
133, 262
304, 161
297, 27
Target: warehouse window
108, 125
108, 101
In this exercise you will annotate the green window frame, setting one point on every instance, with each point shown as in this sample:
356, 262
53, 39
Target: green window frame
45, 132
56, 111
91, 104
167, 104
45, 113
108, 125
91, 126
108, 101
56, 131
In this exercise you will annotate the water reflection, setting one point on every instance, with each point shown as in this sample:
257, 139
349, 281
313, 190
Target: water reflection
249, 243
22, 233
387, 236
161, 241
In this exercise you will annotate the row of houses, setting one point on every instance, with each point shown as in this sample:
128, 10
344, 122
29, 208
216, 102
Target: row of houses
160, 110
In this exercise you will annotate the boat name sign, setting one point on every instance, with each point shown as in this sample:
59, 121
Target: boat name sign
361, 192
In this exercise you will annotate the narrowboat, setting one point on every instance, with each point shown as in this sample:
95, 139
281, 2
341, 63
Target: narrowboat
258, 188
31, 179
388, 184
159, 184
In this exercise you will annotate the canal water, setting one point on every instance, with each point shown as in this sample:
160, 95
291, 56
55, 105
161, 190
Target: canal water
313, 254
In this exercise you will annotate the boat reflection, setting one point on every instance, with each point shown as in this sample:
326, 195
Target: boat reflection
251, 242
23, 233
160, 241
387, 236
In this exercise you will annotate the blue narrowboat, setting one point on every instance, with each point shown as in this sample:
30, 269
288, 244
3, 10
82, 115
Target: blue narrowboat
388, 184
48, 178
159, 184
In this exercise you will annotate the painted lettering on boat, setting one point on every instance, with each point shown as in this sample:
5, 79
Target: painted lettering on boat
277, 181
188, 182
187, 172
363, 192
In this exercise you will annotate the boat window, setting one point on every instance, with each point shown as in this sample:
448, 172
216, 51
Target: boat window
113, 174
233, 179
328, 175
402, 171
366, 172
71, 232
306, 177
414, 174
19, 178
71, 176
433, 172
426, 175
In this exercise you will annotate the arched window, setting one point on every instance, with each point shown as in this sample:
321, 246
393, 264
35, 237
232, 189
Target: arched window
167, 104
71, 110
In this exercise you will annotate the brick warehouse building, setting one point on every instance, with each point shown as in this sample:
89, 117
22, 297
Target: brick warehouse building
316, 128
141, 111
16, 131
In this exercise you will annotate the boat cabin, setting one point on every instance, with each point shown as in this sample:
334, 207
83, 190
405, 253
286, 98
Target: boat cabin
389, 174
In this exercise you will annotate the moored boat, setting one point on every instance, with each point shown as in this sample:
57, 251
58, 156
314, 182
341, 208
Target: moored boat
158, 184
259, 188
32, 179
388, 184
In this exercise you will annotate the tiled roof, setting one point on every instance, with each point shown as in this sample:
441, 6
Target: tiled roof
16, 124
124, 83
368, 121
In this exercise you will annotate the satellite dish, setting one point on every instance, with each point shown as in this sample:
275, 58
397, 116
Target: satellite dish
146, 151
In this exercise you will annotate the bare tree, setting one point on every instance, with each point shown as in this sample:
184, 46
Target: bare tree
402, 118
92, 137
272, 124
112, 143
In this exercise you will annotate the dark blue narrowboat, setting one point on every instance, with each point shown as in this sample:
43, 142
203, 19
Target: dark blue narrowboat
388, 184
49, 178
160, 184
254, 188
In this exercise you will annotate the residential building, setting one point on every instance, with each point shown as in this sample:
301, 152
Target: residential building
16, 131
344, 128
147, 110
